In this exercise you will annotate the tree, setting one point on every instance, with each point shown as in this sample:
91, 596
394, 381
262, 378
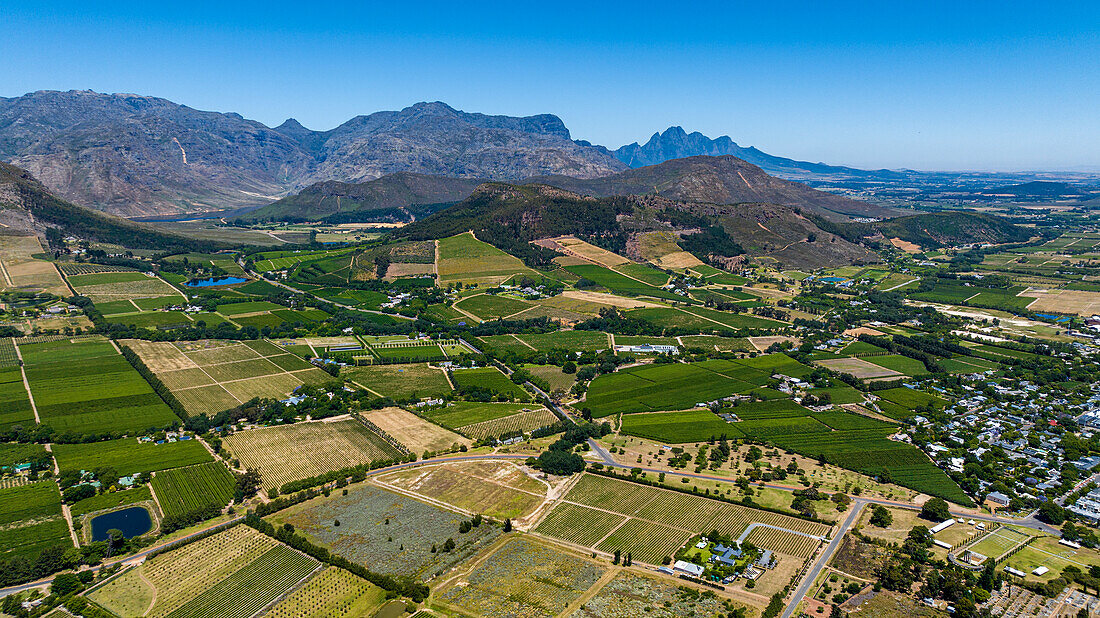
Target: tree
449, 545
935, 510
881, 517
616, 559
247, 485
507, 525
569, 367
1051, 513
65, 584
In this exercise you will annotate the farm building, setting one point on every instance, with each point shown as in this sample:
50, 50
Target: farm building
998, 498
944, 525
646, 348
687, 568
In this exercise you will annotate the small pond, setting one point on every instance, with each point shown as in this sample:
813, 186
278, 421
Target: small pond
211, 282
133, 521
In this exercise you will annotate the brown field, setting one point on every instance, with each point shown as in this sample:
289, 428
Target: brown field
863, 330
608, 299
570, 245
19, 271
905, 245
859, 368
677, 261
1065, 301
402, 269
545, 310
763, 343
414, 432
497, 489
291, 452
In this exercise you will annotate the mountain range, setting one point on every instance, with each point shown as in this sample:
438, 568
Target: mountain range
136, 155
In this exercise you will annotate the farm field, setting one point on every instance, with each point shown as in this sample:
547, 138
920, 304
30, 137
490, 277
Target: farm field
678, 427
524, 577
489, 307
331, 593
681, 386
15, 405
110, 500
490, 380
859, 367
495, 489
620, 283
201, 578
633, 594
184, 490
20, 271
558, 380
462, 413
30, 520
208, 376
467, 259
87, 387
417, 434
401, 547
288, 453
524, 422
122, 286
400, 382
899, 364
128, 456
657, 522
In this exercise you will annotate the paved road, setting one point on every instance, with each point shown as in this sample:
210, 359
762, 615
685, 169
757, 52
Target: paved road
823, 559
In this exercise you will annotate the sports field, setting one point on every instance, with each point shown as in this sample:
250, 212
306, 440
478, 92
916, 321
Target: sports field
205, 578
86, 387
467, 259
293, 452
208, 376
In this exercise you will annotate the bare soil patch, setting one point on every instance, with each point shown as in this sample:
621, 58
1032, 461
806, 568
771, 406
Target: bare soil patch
608, 299
859, 368
414, 432
1065, 301
905, 245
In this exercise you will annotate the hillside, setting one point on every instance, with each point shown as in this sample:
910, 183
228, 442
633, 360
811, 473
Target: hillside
510, 216
933, 230
393, 197
1038, 188
720, 180
136, 155
27, 206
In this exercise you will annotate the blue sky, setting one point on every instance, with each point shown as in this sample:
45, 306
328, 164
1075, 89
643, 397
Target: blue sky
942, 85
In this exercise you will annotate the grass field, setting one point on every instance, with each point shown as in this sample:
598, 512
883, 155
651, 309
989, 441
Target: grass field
467, 259
899, 364
15, 405
30, 520
292, 452
400, 382
208, 376
524, 577
128, 456
331, 593
89, 388
489, 379
488, 307
679, 427
182, 490
497, 489
403, 546
680, 386
112, 500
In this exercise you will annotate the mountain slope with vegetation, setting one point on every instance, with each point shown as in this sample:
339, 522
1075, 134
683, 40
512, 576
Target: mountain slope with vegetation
402, 196
510, 216
939, 229
27, 206
717, 180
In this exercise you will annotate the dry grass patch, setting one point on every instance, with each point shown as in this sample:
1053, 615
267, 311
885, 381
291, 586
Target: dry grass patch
608, 300
414, 432
857, 367
571, 245
18, 270
500, 491
403, 269
1064, 301
160, 356
763, 343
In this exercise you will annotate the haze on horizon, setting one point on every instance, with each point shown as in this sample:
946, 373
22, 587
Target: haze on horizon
960, 86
